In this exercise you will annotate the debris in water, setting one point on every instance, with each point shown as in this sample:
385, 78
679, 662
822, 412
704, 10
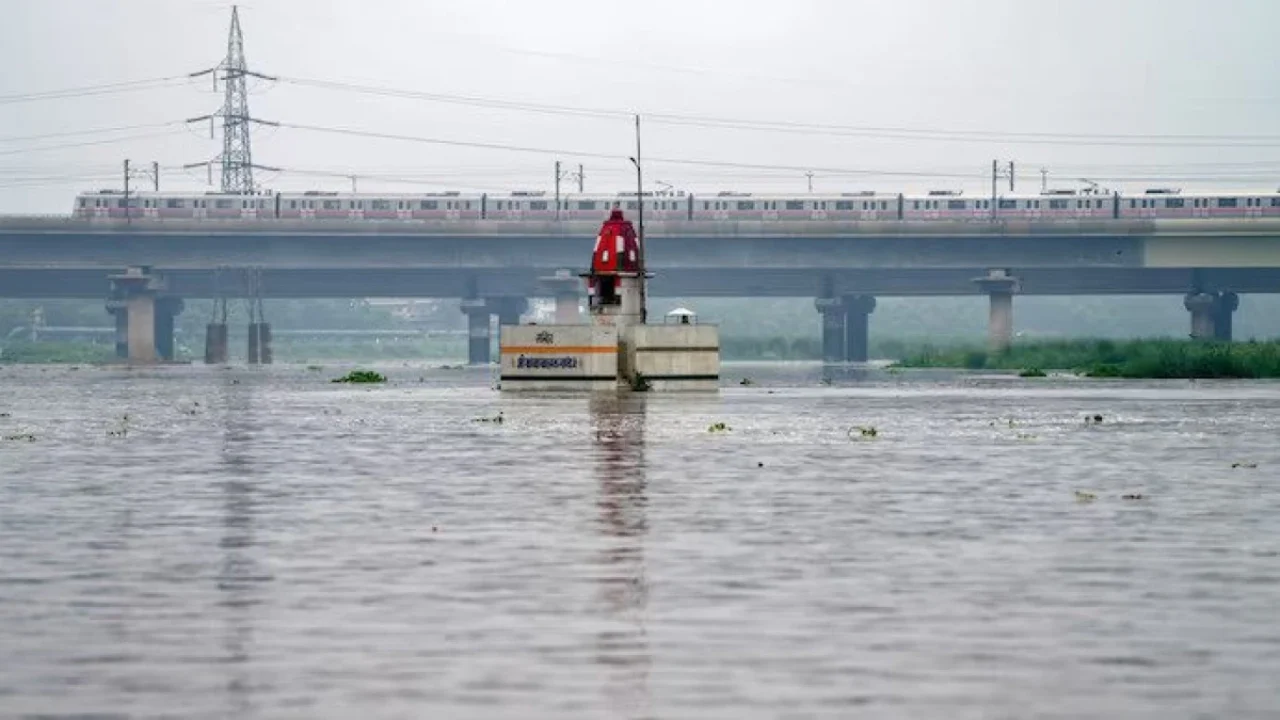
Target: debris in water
1085, 496
718, 427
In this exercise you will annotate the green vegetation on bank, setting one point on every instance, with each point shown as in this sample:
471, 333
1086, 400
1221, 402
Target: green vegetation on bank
55, 352
1117, 359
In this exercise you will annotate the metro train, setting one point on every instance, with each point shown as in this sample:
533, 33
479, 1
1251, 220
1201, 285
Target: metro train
940, 205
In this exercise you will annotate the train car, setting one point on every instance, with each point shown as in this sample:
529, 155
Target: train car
386, 207
813, 208
1173, 204
657, 207
1055, 205
945, 205
111, 204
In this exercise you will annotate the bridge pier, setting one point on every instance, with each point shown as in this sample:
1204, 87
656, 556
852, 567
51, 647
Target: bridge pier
567, 291
260, 350
166, 309
138, 288
477, 312
215, 343
1224, 315
833, 335
1000, 288
1203, 307
858, 309
509, 309
118, 309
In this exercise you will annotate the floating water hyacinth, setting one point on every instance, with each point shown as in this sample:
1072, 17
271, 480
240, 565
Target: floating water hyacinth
362, 376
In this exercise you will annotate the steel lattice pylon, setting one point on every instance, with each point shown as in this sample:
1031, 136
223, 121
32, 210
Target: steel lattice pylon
237, 151
237, 154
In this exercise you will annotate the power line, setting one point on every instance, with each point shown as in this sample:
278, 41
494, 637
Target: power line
611, 156
80, 133
88, 90
879, 132
91, 143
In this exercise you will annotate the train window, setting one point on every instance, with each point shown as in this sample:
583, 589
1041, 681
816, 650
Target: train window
1275, 202
586, 205
468, 204
428, 205
222, 204
1008, 204
1226, 202
1174, 202
956, 205
746, 205
847, 205
1057, 204
331, 204
538, 205
499, 206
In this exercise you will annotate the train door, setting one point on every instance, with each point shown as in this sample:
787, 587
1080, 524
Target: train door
1253, 207
819, 211
452, 209
866, 209
770, 209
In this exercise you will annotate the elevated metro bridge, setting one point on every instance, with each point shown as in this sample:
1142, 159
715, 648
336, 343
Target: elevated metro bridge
495, 265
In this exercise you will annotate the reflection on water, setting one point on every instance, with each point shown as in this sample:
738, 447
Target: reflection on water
620, 474
239, 574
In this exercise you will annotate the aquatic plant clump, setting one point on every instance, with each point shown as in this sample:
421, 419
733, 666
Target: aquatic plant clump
362, 376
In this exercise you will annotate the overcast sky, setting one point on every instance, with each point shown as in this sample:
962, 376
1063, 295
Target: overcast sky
1082, 68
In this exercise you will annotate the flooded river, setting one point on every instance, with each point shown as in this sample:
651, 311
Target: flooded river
210, 543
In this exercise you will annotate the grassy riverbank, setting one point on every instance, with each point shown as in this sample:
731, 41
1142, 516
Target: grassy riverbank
69, 353
1121, 359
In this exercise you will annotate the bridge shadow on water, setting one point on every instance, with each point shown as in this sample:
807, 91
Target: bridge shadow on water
622, 649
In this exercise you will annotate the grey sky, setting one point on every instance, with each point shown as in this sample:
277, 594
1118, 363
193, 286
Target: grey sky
1088, 66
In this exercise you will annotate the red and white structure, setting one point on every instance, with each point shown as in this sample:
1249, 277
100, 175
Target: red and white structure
615, 283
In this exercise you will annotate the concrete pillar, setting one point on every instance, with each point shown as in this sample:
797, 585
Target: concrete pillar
477, 312
215, 344
167, 308
1224, 314
567, 291
142, 328
1000, 287
509, 309
137, 288
1203, 307
260, 350
833, 316
266, 351
857, 328
118, 309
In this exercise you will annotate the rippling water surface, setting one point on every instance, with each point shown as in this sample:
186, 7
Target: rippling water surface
263, 543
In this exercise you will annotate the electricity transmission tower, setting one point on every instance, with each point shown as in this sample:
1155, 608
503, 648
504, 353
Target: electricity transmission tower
237, 154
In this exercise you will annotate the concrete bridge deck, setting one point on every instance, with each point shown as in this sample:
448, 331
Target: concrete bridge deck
497, 264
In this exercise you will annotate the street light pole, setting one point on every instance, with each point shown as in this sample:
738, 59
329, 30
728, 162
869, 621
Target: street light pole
644, 302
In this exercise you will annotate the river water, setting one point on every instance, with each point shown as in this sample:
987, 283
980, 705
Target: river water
263, 543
